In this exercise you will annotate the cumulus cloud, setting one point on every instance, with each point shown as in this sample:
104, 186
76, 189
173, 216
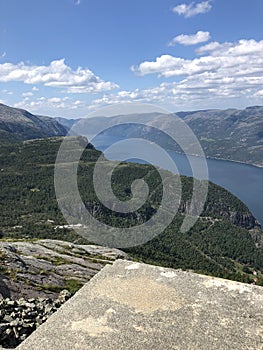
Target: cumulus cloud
193, 9
233, 60
259, 93
51, 105
56, 74
183, 39
242, 47
27, 94
169, 66
221, 70
192, 93
7, 92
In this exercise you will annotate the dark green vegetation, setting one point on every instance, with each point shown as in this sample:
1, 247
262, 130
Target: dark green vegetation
17, 124
225, 241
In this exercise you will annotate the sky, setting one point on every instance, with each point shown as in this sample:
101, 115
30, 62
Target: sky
68, 58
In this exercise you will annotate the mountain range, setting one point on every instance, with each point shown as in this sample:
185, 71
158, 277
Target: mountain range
41, 254
18, 125
230, 134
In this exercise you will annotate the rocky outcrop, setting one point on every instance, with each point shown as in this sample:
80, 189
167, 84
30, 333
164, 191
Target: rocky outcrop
37, 277
131, 306
43, 268
241, 219
19, 318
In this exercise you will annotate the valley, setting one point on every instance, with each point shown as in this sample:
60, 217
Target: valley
226, 241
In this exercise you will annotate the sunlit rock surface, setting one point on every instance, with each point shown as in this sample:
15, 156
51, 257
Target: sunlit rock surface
130, 306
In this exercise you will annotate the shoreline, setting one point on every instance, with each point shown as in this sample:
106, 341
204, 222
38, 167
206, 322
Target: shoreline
217, 158
236, 161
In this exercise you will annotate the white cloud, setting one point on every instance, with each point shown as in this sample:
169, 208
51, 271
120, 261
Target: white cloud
193, 93
221, 71
219, 76
259, 93
199, 37
34, 88
27, 94
241, 48
7, 92
44, 105
192, 9
56, 74
233, 60
3, 55
169, 66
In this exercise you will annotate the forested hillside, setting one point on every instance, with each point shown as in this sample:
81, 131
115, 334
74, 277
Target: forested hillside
225, 241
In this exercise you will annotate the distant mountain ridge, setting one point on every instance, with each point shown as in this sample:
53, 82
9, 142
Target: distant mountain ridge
230, 134
18, 125
67, 123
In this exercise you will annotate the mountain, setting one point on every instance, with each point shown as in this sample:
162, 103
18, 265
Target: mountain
67, 123
18, 124
230, 134
226, 241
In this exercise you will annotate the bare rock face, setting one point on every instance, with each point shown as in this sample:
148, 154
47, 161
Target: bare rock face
130, 306
241, 219
45, 267
37, 277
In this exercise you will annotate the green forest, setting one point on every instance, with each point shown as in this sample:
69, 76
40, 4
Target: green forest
217, 245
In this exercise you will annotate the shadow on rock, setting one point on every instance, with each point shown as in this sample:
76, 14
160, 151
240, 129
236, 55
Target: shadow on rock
4, 290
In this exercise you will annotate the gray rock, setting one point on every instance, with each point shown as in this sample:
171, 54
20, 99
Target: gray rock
34, 277
131, 306
42, 268
16, 323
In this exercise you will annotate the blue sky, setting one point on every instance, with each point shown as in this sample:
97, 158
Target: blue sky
70, 57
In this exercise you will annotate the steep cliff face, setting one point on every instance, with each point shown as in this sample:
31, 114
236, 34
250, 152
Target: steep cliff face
240, 219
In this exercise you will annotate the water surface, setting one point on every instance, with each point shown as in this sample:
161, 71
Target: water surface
244, 181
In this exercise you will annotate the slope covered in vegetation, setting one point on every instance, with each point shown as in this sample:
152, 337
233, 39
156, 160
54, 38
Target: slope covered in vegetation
225, 241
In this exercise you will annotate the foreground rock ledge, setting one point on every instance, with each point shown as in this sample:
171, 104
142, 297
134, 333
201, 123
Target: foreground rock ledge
137, 306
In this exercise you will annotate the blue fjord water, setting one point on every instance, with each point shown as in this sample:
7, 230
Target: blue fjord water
244, 181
